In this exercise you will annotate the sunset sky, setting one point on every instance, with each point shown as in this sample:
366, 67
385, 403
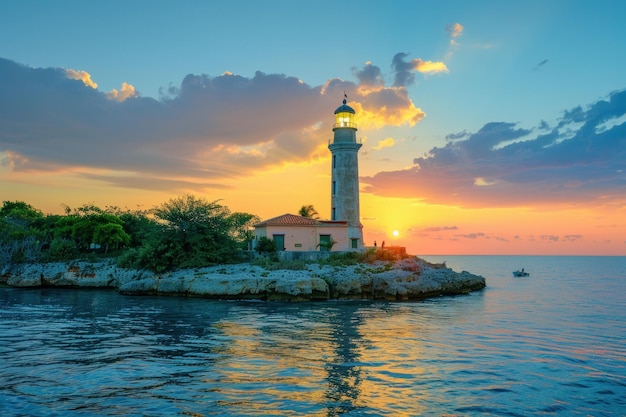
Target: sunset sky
488, 127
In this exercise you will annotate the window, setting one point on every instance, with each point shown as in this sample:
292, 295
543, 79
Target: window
334, 187
333, 216
334, 161
354, 243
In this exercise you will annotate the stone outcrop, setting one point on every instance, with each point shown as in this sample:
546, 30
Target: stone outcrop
408, 279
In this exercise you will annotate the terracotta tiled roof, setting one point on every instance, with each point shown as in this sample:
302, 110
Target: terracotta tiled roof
288, 220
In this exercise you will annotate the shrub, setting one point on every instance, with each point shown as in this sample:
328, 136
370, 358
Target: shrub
265, 246
275, 265
61, 250
341, 259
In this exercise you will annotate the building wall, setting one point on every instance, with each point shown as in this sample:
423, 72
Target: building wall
306, 238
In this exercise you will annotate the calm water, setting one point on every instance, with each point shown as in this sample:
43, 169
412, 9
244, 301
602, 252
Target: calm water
550, 344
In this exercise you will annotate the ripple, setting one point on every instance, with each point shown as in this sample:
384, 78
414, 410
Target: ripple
67, 352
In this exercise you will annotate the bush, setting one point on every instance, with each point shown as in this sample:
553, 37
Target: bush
265, 246
275, 264
385, 255
342, 259
129, 259
61, 250
368, 257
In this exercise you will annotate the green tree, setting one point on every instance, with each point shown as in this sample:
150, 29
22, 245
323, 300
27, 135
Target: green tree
19, 211
89, 224
193, 232
265, 245
138, 225
20, 240
242, 228
111, 234
61, 250
308, 211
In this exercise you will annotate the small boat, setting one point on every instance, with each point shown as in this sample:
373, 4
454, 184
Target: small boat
520, 273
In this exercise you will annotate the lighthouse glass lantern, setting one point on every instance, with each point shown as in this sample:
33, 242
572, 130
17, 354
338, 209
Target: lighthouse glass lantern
344, 116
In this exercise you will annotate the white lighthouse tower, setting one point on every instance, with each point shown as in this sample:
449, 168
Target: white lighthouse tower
345, 174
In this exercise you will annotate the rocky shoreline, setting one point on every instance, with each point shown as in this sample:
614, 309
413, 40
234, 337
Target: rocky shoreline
404, 280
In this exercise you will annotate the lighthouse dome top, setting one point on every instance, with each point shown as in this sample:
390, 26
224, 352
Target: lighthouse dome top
344, 108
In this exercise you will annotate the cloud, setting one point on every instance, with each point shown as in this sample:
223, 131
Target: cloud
127, 91
369, 76
456, 136
196, 135
433, 229
581, 161
385, 143
439, 228
471, 235
429, 67
380, 106
454, 30
405, 70
84, 76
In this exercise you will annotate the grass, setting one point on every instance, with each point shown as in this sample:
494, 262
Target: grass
336, 259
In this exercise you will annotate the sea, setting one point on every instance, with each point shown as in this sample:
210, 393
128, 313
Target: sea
550, 344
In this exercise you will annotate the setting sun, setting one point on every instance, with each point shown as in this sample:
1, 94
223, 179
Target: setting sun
395, 233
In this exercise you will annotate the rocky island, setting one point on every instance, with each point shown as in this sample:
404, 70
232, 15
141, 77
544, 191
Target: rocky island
402, 280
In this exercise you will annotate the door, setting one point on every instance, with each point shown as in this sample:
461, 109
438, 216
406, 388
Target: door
279, 240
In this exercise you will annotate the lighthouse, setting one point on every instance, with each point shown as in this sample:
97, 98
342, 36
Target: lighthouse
345, 174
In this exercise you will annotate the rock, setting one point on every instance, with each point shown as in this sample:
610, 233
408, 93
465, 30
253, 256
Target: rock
145, 286
408, 279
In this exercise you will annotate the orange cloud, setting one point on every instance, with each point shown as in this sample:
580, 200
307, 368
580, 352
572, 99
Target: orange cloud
207, 129
371, 117
454, 30
429, 67
84, 76
127, 91
385, 143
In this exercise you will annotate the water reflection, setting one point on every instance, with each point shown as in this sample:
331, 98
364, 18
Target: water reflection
344, 371
103, 350
80, 352
278, 352
331, 359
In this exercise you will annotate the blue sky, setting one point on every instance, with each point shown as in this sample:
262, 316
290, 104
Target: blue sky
443, 88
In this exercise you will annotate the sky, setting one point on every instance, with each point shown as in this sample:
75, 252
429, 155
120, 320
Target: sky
488, 127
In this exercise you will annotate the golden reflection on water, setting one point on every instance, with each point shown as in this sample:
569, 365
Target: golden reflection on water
341, 361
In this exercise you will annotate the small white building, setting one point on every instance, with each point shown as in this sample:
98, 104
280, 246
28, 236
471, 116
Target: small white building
344, 232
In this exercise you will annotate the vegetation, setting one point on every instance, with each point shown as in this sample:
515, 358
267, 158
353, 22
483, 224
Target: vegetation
190, 232
183, 232
266, 246
308, 211
335, 259
327, 245
20, 233
275, 265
